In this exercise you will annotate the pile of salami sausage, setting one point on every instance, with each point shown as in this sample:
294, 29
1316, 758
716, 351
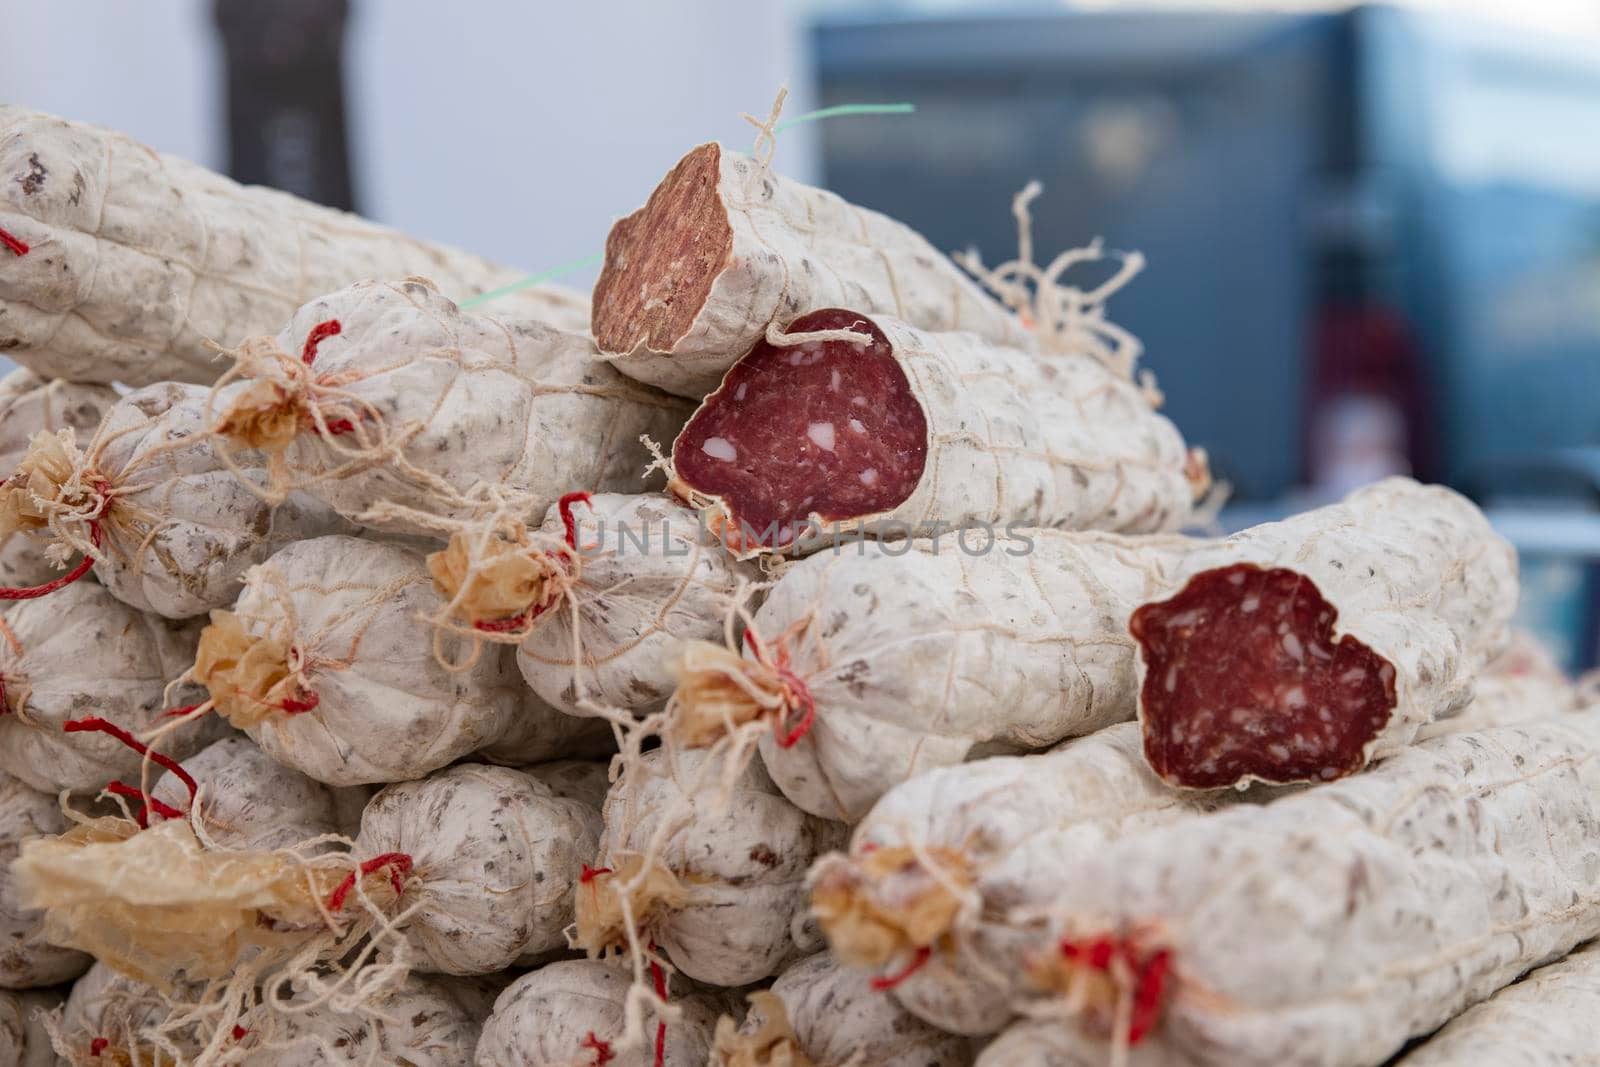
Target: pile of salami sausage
799, 654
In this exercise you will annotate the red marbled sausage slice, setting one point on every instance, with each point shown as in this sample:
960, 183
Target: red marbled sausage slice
1245, 680
826, 428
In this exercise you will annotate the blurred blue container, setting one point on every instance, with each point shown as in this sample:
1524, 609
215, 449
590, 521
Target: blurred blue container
1368, 200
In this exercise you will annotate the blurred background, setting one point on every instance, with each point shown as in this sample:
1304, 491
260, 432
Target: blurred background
1373, 232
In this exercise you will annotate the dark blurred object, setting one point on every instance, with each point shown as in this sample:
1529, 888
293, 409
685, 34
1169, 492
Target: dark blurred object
1561, 474
1367, 411
286, 103
1373, 236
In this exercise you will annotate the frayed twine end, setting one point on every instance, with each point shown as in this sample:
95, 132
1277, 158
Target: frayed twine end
1065, 318
55, 488
499, 579
250, 677
277, 406
886, 903
652, 890
719, 691
399, 864
773, 1043
785, 339
766, 145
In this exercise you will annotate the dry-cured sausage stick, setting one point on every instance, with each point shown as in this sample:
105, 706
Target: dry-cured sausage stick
946, 878
1552, 1016
888, 659
129, 263
1299, 650
1327, 928
724, 248
875, 425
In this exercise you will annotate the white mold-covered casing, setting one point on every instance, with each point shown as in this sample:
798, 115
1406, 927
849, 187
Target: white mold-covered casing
836, 1018
557, 1015
28, 404
429, 1021
496, 857
138, 261
725, 247
1058, 1043
84, 652
352, 614
251, 803
916, 655
1328, 927
1012, 832
27, 961
460, 400
649, 575
575, 779
1551, 1016
1524, 682
181, 529
24, 1041
739, 858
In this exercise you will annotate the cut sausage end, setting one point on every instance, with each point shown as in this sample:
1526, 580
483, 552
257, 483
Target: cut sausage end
662, 260
828, 429
1245, 681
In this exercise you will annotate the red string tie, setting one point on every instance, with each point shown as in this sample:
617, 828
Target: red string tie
99, 1045
298, 706
1150, 977
886, 982
508, 626
19, 248
95, 724
601, 1049
180, 712
569, 521
518, 622
319, 333
660, 978
797, 694
147, 803
35, 591
1147, 995
398, 861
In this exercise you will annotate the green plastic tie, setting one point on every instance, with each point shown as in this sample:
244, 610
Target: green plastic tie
846, 109
538, 279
